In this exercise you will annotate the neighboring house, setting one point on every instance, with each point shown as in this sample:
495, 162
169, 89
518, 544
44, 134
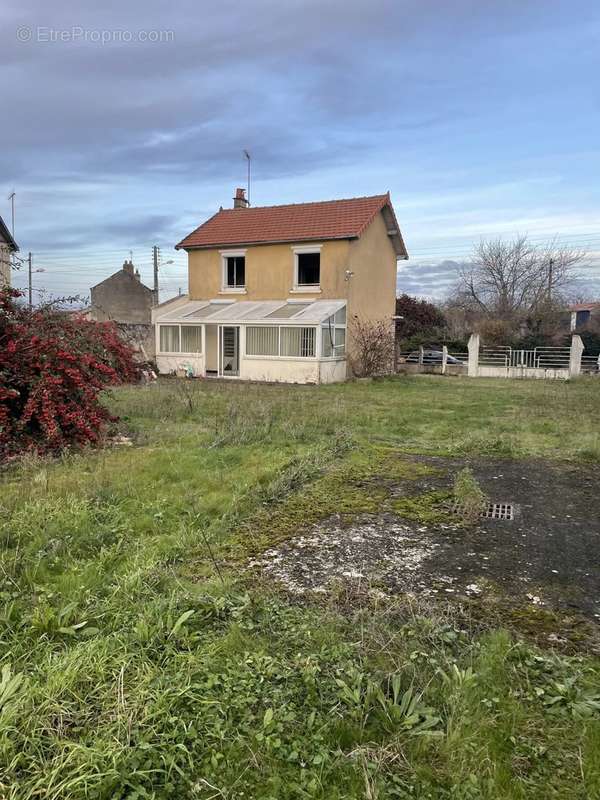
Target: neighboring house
582, 314
7, 247
124, 299
272, 289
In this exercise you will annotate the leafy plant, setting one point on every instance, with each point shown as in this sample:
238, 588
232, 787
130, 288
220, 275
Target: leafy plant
53, 367
9, 685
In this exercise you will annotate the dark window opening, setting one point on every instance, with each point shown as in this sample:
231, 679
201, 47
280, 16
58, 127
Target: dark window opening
582, 319
236, 272
309, 269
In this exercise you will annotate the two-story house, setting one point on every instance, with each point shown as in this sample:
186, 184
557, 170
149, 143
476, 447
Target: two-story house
7, 247
273, 290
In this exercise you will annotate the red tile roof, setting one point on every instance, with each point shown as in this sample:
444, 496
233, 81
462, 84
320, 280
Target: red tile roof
585, 306
329, 219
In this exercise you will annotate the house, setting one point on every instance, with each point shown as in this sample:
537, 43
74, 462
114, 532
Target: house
7, 247
123, 298
582, 314
273, 289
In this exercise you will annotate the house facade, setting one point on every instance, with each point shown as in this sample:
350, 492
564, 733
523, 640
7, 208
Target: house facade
8, 246
273, 290
583, 315
125, 300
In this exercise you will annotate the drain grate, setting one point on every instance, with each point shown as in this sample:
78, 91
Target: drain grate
499, 511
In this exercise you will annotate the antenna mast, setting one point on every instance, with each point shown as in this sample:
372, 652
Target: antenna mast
11, 197
247, 154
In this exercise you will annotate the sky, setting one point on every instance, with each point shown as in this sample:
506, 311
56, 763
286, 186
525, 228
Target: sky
123, 125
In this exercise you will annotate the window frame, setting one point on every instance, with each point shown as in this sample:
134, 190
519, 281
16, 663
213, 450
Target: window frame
279, 357
306, 288
225, 288
333, 327
179, 326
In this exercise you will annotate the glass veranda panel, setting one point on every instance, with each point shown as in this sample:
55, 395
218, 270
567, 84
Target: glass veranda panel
169, 338
262, 340
298, 342
191, 339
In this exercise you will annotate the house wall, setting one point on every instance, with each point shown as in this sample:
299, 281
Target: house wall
4, 264
269, 273
372, 259
175, 362
279, 370
372, 287
139, 336
121, 298
332, 371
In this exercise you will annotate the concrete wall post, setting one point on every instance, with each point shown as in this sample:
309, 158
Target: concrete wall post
473, 348
575, 356
444, 359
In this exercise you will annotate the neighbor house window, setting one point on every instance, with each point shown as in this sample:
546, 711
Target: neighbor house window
333, 335
234, 270
271, 340
180, 339
307, 268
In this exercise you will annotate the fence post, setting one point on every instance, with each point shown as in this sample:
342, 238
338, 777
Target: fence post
421, 355
444, 359
473, 347
575, 356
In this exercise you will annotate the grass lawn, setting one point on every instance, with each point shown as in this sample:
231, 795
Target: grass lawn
141, 659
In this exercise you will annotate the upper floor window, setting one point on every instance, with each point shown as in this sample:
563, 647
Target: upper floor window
234, 270
307, 268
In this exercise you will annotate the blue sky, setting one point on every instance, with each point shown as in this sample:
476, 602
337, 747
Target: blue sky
482, 119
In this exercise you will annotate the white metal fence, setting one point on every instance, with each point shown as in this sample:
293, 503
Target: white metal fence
506, 362
538, 358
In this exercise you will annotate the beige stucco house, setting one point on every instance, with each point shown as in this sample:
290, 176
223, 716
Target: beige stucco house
273, 289
7, 247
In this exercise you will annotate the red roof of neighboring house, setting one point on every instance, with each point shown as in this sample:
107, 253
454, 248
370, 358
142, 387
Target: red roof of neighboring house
585, 306
329, 219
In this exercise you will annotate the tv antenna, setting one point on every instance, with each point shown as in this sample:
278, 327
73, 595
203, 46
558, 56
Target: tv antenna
247, 155
11, 197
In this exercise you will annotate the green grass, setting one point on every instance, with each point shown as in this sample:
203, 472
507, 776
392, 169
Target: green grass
150, 665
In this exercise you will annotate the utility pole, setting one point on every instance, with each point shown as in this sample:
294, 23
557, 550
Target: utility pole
550, 279
155, 253
29, 264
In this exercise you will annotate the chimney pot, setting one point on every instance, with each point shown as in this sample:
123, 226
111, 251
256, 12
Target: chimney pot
239, 200
128, 266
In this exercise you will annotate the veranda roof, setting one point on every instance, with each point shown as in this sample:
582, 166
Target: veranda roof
274, 312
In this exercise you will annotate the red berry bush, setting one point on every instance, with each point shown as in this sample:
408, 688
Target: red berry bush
53, 366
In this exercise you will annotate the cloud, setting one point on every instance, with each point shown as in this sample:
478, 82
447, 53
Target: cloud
453, 108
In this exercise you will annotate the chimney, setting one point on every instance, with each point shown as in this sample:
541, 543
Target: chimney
137, 275
239, 201
128, 266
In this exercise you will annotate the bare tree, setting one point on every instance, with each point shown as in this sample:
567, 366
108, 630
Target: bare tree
508, 280
372, 347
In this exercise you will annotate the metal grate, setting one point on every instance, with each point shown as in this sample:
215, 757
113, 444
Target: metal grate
499, 511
